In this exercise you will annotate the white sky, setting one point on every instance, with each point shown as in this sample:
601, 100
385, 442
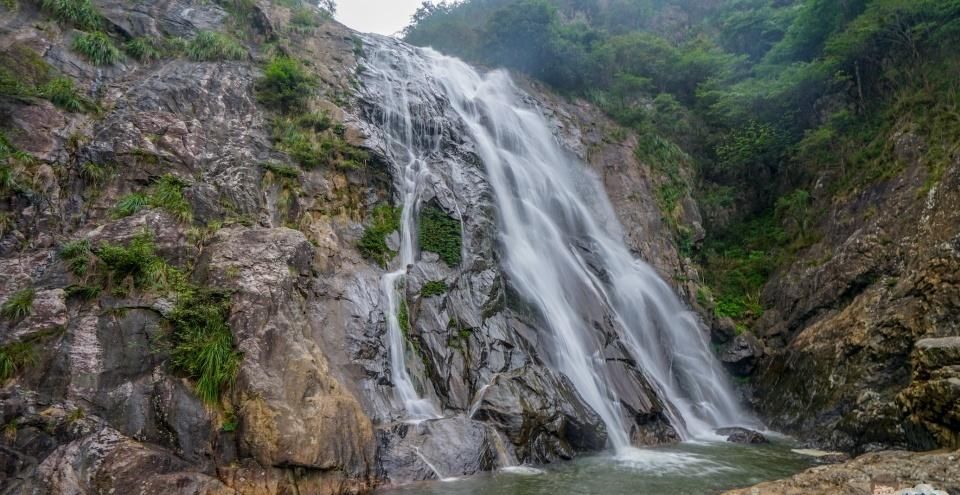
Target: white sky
376, 16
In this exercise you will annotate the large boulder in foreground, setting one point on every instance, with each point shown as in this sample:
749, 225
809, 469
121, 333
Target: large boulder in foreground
541, 414
436, 449
870, 474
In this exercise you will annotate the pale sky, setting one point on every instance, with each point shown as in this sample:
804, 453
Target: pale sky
376, 16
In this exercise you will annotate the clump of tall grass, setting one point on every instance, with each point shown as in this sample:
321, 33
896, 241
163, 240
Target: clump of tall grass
210, 45
81, 14
62, 93
166, 194
18, 305
97, 47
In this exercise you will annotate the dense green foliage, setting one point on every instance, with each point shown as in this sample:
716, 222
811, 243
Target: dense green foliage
758, 98
439, 233
285, 85
433, 288
384, 220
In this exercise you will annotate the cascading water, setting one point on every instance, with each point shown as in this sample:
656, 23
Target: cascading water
408, 147
561, 244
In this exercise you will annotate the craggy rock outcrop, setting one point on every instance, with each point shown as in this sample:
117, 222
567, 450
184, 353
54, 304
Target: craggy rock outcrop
863, 327
541, 414
870, 474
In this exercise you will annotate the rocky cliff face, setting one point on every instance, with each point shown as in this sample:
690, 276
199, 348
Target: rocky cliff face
863, 332
93, 400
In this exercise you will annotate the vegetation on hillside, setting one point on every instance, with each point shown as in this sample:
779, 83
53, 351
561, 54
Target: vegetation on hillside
760, 98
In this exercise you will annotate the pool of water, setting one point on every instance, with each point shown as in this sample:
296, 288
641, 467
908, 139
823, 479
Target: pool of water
685, 469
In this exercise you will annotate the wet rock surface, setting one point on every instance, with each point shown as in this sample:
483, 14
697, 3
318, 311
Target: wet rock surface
436, 449
742, 435
541, 414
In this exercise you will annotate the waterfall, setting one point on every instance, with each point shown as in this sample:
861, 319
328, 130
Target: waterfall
561, 244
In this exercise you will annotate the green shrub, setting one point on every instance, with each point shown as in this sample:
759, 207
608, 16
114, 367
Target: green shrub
210, 45
439, 233
433, 288
81, 14
62, 93
285, 85
384, 219
299, 138
18, 305
97, 47
202, 342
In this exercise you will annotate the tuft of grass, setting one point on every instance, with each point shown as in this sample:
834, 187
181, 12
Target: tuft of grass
166, 194
315, 121
202, 342
15, 357
81, 14
96, 173
285, 85
62, 93
143, 49
80, 291
77, 255
211, 46
433, 288
439, 233
384, 219
137, 262
97, 47
303, 19
18, 305
131, 204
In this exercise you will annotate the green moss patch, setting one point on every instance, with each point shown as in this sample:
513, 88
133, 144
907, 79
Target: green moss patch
439, 233
383, 220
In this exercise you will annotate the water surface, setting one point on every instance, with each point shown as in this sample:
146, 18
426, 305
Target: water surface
685, 469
